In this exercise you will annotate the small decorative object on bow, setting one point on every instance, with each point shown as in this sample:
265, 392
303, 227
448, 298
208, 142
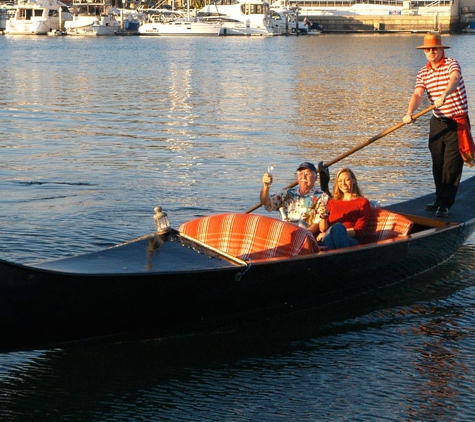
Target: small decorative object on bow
161, 221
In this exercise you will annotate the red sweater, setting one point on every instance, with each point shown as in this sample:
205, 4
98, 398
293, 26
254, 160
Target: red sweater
352, 214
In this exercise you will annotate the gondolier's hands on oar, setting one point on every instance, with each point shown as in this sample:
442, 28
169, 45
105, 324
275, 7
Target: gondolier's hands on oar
414, 102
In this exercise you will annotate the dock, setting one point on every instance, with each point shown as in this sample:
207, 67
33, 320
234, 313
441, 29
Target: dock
387, 24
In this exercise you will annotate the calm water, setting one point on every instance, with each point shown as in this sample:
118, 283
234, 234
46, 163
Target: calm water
96, 132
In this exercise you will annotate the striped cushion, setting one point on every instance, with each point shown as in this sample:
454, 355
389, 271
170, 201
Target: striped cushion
249, 236
383, 224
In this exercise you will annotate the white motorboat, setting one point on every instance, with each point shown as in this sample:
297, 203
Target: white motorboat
167, 22
7, 10
239, 17
93, 25
92, 18
252, 17
37, 17
183, 27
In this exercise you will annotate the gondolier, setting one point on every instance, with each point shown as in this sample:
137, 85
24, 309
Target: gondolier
304, 205
449, 128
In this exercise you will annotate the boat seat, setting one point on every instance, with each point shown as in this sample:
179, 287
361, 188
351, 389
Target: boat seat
383, 224
250, 236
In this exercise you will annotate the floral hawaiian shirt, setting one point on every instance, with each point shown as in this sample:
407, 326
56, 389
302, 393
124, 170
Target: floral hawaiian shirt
302, 210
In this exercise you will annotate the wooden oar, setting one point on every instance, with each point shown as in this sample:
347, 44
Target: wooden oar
357, 148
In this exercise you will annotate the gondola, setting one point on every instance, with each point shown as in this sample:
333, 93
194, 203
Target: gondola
174, 281
222, 270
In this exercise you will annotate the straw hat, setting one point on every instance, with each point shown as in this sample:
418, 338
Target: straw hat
432, 41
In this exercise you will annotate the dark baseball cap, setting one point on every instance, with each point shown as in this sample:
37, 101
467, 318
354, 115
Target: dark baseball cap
308, 166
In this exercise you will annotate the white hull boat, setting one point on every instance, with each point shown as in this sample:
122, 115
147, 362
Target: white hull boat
180, 27
252, 17
92, 18
167, 22
6, 12
92, 25
38, 18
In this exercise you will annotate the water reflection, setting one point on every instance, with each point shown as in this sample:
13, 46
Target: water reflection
438, 393
95, 133
417, 333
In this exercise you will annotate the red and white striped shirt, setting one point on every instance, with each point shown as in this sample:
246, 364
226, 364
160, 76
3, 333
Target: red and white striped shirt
434, 81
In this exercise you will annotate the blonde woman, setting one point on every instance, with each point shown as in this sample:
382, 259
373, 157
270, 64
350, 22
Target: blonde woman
348, 212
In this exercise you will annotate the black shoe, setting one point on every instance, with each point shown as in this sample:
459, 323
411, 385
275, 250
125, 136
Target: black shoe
442, 212
432, 207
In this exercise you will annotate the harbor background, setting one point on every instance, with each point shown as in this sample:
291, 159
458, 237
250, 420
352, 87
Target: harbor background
332, 16
96, 132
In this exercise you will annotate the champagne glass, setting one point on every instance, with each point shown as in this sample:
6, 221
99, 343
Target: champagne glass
270, 171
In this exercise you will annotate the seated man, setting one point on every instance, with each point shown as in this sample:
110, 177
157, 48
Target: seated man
303, 205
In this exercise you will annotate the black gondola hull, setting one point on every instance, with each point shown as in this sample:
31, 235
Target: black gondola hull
167, 285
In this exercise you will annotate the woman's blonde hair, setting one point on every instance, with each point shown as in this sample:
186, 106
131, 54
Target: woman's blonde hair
337, 193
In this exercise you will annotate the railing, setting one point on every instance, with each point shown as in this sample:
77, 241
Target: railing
343, 3
394, 3
429, 3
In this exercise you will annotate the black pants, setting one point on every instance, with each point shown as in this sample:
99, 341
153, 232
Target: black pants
447, 163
